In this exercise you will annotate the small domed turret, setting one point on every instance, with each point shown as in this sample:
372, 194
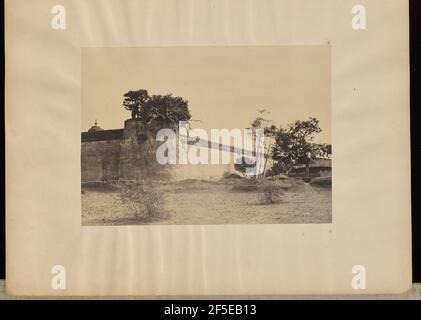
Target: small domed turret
95, 127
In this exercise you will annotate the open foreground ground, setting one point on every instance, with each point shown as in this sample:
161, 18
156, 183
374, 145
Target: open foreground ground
228, 201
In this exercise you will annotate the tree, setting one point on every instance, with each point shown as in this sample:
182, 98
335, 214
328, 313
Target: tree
294, 145
166, 108
135, 100
269, 129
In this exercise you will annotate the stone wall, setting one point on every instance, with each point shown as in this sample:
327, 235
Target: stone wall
130, 154
138, 152
100, 160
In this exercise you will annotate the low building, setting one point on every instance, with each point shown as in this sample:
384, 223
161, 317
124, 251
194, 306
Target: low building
318, 168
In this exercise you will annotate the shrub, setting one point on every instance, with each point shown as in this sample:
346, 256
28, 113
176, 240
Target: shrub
270, 193
143, 198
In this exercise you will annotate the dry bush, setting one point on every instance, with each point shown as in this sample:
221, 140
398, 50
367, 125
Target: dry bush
144, 198
270, 192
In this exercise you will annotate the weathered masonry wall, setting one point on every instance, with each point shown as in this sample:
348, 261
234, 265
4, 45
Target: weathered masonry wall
138, 152
127, 154
100, 160
130, 154
100, 155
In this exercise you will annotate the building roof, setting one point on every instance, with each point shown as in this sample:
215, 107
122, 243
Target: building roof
317, 163
102, 135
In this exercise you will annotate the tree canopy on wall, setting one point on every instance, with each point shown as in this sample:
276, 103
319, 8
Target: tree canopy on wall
166, 108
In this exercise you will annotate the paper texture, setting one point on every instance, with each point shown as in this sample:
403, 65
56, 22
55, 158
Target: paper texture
58, 81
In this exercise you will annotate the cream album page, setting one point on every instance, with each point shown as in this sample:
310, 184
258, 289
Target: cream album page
233, 147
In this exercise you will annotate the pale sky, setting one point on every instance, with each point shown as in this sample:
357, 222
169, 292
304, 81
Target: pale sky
224, 85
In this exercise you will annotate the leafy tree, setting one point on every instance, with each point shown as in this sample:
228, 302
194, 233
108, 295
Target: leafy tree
294, 145
166, 108
135, 100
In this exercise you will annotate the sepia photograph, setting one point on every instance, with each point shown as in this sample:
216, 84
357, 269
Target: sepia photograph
206, 135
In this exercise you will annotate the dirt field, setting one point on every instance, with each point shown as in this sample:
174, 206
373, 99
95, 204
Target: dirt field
228, 201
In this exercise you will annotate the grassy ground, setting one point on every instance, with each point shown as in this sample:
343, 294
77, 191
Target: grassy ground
229, 201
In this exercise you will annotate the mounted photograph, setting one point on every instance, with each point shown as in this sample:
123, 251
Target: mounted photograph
172, 149
206, 135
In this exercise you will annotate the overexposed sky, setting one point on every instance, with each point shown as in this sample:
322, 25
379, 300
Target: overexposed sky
224, 85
